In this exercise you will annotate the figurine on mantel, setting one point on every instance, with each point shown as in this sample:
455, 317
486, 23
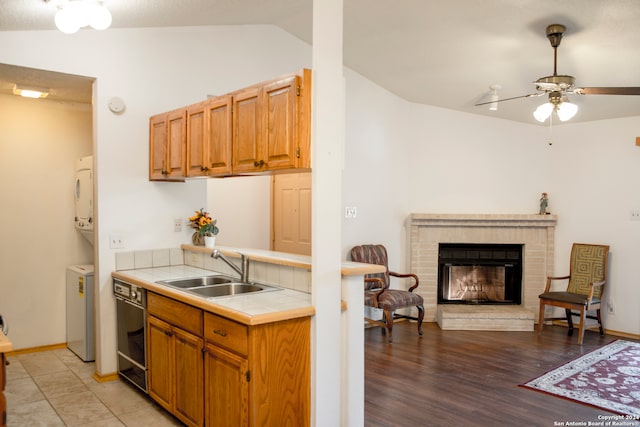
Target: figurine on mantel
544, 201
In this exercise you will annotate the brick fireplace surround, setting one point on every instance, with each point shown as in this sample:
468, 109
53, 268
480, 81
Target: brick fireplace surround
535, 232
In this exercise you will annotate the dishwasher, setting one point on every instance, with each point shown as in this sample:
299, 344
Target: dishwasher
131, 315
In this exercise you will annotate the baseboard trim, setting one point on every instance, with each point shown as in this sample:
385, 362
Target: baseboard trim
105, 378
36, 349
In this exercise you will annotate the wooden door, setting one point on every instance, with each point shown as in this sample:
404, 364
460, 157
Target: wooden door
291, 213
196, 133
226, 377
280, 110
157, 146
247, 128
161, 359
220, 131
189, 377
176, 143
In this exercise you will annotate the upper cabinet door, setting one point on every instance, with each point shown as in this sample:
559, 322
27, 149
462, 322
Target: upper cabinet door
176, 143
219, 135
157, 146
196, 139
280, 110
247, 131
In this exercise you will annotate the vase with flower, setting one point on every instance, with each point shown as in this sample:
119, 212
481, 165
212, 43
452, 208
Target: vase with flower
206, 229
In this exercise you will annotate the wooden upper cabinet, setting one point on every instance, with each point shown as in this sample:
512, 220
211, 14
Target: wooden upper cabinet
167, 138
247, 130
219, 135
261, 128
209, 137
271, 125
280, 109
196, 133
157, 146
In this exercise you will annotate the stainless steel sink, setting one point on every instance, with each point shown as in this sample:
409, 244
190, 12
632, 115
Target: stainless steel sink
216, 286
229, 289
195, 282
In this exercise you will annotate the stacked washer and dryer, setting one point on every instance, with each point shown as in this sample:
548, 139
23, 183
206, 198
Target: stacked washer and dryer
80, 285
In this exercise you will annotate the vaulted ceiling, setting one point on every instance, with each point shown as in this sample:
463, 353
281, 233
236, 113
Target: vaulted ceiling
435, 52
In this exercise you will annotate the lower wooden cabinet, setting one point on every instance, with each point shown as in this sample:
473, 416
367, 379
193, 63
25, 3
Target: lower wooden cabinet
209, 370
176, 371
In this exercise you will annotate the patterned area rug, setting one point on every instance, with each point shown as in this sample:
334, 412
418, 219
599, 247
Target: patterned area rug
607, 378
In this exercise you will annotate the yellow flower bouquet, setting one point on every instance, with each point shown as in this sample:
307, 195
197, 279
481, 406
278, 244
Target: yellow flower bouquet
203, 223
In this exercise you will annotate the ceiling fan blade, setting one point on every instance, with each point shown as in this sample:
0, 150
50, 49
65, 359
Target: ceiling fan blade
607, 90
509, 99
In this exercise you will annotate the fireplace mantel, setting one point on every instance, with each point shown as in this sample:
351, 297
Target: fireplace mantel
534, 232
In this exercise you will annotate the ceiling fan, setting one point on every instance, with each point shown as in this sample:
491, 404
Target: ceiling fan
558, 86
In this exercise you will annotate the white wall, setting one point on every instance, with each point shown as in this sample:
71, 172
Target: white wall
595, 174
40, 141
242, 207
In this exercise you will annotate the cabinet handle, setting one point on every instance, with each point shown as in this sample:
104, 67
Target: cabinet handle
168, 333
258, 163
204, 169
220, 332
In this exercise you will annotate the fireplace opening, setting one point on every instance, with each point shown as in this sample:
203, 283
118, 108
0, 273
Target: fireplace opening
479, 273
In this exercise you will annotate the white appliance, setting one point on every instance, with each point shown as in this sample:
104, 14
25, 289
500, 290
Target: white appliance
80, 311
83, 192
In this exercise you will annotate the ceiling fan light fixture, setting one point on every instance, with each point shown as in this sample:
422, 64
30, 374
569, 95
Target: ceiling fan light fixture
543, 112
566, 110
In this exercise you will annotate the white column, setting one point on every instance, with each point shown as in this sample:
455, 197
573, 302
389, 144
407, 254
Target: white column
327, 127
353, 352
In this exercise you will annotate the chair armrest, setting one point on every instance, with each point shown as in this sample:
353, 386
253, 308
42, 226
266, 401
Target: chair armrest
380, 290
375, 280
592, 287
551, 278
405, 275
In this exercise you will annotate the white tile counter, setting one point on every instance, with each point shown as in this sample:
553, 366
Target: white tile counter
250, 308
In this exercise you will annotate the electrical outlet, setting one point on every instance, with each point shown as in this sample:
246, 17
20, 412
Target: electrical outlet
350, 212
116, 241
177, 225
610, 307
635, 215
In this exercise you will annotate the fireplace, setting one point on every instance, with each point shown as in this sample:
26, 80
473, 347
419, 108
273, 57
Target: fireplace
482, 273
533, 233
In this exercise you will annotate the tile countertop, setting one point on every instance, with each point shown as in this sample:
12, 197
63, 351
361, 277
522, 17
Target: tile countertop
249, 309
349, 268
5, 344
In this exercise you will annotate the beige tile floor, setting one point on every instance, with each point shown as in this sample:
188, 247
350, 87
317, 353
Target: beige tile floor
56, 388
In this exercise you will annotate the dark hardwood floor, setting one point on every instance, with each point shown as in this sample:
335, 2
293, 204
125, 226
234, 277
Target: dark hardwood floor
469, 378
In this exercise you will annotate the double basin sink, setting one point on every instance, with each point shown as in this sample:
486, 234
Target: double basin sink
216, 286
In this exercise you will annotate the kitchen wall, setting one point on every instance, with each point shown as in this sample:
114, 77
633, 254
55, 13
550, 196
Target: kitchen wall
152, 70
40, 141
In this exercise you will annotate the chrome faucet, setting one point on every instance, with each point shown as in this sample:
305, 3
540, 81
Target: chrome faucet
243, 272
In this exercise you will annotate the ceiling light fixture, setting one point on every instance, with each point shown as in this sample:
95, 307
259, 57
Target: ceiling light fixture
493, 97
30, 91
558, 103
75, 14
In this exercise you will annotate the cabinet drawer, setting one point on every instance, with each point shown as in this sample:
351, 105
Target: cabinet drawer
179, 314
226, 333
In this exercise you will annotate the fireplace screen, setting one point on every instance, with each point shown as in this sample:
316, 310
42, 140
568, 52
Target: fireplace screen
474, 283
480, 274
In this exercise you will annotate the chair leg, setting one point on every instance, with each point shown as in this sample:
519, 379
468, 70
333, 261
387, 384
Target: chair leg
388, 315
600, 322
420, 318
541, 318
581, 328
569, 321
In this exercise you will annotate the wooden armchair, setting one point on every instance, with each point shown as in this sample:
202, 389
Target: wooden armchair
378, 294
586, 280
